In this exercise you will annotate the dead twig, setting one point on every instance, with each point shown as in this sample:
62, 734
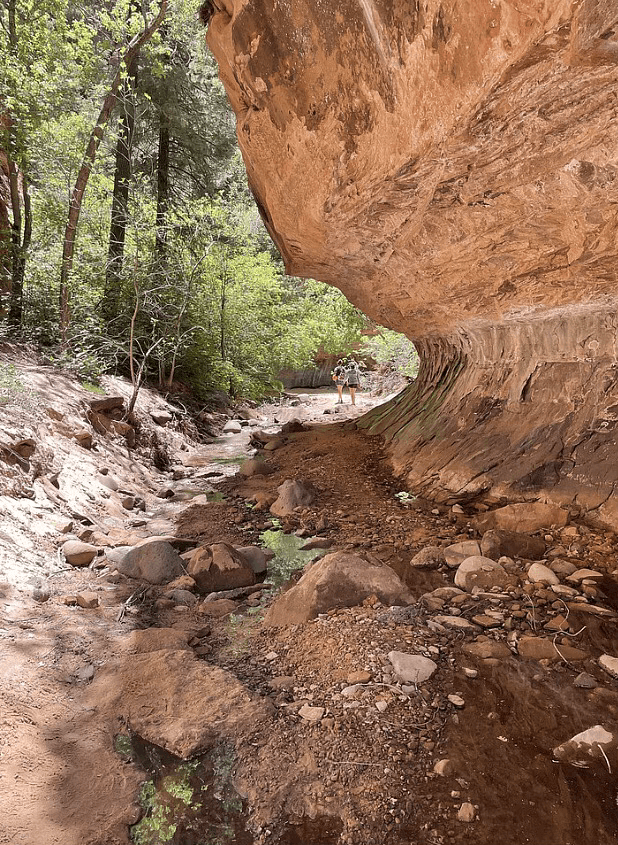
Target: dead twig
138, 595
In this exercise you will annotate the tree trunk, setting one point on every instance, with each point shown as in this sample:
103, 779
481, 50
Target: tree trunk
163, 185
120, 202
83, 175
18, 245
19, 251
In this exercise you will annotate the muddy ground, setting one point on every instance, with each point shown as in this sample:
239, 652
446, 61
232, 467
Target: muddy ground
79, 696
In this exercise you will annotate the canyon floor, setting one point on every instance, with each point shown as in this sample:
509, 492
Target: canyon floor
295, 735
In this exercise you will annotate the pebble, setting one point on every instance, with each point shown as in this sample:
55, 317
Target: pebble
609, 664
311, 714
381, 705
412, 668
359, 677
457, 701
87, 600
466, 812
444, 768
585, 681
471, 673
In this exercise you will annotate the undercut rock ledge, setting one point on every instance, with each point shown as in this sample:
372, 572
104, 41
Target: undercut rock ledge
452, 167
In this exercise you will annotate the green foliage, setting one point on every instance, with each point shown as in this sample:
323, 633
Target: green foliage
163, 805
214, 309
288, 557
393, 352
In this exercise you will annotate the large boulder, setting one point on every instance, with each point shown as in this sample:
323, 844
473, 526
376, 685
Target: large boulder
340, 579
219, 567
155, 561
481, 572
176, 701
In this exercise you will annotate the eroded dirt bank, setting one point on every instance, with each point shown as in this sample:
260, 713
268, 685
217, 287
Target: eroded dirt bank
313, 726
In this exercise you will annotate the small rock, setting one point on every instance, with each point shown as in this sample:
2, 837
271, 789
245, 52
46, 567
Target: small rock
444, 768
481, 572
457, 701
85, 673
161, 417
316, 543
359, 677
585, 681
272, 655
485, 621
232, 427
609, 664
311, 714
78, 553
457, 509
458, 552
412, 668
542, 574
471, 673
428, 558
466, 812
583, 574
381, 705
457, 622
87, 600
41, 593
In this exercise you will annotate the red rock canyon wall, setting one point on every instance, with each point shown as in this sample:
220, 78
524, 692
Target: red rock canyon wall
452, 167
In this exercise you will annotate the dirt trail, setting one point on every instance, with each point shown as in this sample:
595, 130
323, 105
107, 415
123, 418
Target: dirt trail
364, 772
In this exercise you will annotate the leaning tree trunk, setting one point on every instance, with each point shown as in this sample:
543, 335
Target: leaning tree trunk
83, 175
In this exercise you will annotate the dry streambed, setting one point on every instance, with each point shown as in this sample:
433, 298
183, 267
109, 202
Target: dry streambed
420, 683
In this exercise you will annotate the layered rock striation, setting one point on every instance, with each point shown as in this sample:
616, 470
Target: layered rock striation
452, 167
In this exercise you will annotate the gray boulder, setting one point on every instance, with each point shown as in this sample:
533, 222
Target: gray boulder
154, 561
478, 571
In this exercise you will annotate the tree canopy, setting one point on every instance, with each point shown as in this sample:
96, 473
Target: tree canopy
130, 238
